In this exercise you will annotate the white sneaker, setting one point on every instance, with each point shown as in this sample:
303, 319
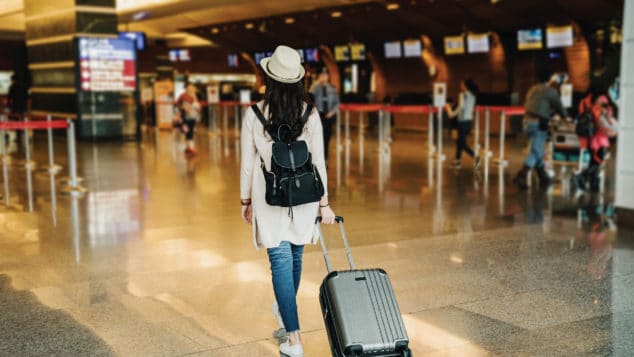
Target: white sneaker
287, 350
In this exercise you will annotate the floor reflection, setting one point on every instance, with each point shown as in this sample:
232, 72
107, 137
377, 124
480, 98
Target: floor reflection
154, 259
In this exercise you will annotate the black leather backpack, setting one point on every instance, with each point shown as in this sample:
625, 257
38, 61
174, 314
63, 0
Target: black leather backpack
293, 179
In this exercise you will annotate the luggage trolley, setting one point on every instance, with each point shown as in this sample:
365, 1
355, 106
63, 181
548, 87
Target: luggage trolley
565, 149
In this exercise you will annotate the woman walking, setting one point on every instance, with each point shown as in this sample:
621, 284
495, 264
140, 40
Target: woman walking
464, 113
283, 235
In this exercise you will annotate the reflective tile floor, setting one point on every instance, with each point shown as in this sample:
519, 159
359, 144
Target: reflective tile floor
155, 261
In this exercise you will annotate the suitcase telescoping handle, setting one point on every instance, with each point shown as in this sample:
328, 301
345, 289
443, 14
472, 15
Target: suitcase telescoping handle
339, 220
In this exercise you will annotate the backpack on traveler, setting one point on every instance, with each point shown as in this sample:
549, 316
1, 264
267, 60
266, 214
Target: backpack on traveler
586, 127
293, 179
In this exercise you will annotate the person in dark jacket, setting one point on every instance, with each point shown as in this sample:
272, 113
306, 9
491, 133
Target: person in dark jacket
17, 100
542, 103
327, 103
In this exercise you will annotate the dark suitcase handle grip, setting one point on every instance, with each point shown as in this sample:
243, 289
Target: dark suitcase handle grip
338, 219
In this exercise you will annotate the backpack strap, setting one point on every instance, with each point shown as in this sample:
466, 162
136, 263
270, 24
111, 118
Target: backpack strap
309, 110
259, 115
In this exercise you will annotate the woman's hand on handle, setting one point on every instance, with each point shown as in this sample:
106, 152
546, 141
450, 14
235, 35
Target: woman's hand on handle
247, 214
327, 215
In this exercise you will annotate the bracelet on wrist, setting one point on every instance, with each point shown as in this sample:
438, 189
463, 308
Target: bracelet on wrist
327, 204
245, 202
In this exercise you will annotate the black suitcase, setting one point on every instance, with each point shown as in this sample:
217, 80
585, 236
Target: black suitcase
360, 311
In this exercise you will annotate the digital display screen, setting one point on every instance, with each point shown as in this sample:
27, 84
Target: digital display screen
342, 53
357, 52
107, 64
530, 39
311, 55
258, 56
393, 49
478, 43
232, 60
137, 37
559, 36
179, 55
454, 45
412, 48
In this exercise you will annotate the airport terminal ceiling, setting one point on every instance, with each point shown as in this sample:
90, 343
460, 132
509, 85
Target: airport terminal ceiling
312, 19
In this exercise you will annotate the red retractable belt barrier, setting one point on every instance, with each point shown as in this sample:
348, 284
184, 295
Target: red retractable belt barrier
514, 110
508, 110
34, 125
360, 107
410, 109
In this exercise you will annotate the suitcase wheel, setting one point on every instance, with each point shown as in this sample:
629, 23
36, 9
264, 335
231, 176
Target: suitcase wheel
407, 353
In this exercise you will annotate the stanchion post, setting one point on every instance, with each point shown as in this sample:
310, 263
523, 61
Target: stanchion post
476, 134
441, 156
338, 131
500, 160
430, 132
361, 140
487, 151
29, 165
74, 188
5, 162
52, 168
347, 129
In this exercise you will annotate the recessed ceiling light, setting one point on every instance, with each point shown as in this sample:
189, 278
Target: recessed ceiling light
336, 14
289, 20
215, 30
393, 6
249, 25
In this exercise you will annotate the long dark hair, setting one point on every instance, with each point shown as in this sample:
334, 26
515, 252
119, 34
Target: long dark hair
285, 103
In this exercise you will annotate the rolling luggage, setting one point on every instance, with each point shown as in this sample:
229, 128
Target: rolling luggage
360, 311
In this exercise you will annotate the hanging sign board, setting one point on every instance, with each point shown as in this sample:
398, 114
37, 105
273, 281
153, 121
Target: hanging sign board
478, 43
454, 45
440, 94
566, 95
245, 96
107, 64
213, 94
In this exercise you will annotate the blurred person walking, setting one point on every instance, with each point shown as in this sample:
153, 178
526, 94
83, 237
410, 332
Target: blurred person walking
17, 103
327, 103
283, 234
542, 104
189, 108
464, 114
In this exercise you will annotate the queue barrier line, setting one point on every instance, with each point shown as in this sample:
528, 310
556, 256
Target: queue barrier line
73, 187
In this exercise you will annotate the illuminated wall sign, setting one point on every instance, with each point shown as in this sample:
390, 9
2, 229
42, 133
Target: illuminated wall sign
559, 36
342, 53
107, 64
454, 45
478, 43
357, 52
393, 49
530, 39
300, 52
412, 48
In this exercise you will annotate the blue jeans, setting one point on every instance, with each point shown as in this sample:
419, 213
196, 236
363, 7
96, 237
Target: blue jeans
535, 158
286, 269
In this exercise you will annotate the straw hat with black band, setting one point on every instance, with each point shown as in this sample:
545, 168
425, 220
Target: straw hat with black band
284, 65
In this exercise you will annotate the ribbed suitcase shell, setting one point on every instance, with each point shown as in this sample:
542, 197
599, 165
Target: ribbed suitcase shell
361, 314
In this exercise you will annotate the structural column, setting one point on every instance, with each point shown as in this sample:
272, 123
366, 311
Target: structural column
52, 32
625, 148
